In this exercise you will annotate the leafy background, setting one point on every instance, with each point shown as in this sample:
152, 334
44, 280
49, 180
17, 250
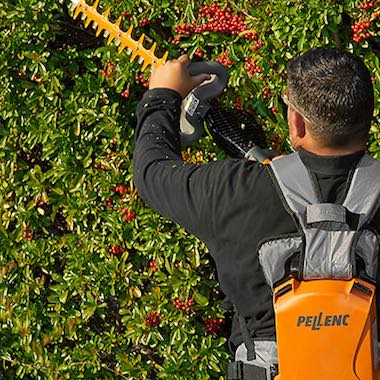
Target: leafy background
94, 284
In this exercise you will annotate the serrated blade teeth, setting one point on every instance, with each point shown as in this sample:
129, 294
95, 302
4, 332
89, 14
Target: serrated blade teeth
77, 12
130, 30
112, 31
74, 5
144, 66
153, 47
87, 23
106, 14
110, 38
165, 56
134, 55
121, 47
141, 40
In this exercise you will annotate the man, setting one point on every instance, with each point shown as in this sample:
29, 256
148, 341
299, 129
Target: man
234, 205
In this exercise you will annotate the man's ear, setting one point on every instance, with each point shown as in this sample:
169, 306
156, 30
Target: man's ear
298, 124
297, 129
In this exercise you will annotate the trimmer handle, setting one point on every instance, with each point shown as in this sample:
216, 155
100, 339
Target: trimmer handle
258, 154
195, 105
216, 86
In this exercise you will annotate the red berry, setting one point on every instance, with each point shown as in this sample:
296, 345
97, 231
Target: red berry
153, 318
116, 250
129, 216
153, 266
125, 94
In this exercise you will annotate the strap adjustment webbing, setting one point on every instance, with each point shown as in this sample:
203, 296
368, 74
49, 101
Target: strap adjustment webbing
241, 371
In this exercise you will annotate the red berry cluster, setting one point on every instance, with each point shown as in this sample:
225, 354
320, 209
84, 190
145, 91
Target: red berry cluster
215, 18
251, 67
125, 94
153, 318
110, 68
183, 305
28, 233
266, 92
224, 59
153, 266
101, 166
213, 326
257, 45
177, 40
116, 250
129, 216
368, 5
360, 29
140, 78
144, 22
121, 189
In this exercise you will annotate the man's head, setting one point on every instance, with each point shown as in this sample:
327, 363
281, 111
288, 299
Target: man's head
330, 95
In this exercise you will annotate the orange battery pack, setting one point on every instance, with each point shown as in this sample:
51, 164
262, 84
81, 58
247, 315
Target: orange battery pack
326, 330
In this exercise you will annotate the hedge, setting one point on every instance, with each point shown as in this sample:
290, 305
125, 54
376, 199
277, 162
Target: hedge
94, 284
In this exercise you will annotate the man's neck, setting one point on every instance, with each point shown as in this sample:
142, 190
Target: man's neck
326, 151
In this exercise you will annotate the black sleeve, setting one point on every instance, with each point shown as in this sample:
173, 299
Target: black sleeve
186, 193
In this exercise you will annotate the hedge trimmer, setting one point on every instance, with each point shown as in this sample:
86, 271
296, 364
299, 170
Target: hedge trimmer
237, 132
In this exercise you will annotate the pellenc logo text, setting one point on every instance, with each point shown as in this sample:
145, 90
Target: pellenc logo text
315, 322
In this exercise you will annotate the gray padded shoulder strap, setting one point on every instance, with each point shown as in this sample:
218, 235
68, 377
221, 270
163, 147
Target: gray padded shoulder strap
364, 193
295, 183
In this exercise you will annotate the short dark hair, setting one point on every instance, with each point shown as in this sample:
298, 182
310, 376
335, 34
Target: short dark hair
333, 89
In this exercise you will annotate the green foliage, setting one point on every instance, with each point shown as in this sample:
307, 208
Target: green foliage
90, 275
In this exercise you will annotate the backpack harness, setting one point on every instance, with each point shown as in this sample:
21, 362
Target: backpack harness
322, 279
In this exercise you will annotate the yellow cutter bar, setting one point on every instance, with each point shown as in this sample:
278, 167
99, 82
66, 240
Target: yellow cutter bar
122, 39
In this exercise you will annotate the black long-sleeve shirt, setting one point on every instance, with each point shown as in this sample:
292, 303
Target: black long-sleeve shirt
232, 205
